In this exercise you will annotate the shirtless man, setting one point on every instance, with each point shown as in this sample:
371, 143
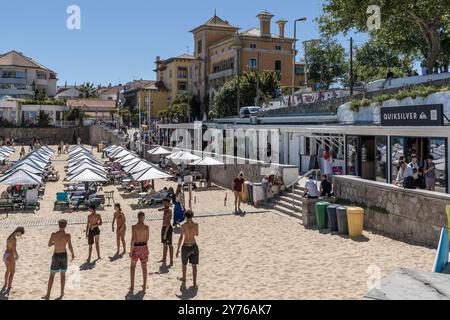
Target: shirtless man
167, 232
94, 221
121, 227
9, 258
60, 241
189, 251
139, 249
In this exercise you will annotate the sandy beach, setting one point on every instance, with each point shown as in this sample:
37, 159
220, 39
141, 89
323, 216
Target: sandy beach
262, 255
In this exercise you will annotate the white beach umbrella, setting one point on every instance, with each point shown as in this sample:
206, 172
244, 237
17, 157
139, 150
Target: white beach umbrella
141, 165
130, 162
83, 157
26, 167
150, 174
174, 154
207, 161
10, 149
119, 154
115, 150
6, 151
78, 171
159, 151
84, 166
126, 159
37, 164
77, 163
79, 151
87, 175
20, 177
111, 148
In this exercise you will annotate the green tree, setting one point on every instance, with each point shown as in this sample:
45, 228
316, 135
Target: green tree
44, 119
75, 114
327, 61
225, 101
88, 90
374, 59
411, 26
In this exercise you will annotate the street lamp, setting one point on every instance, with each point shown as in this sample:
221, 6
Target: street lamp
237, 45
295, 56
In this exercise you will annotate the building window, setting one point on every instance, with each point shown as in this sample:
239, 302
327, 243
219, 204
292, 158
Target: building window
252, 63
278, 65
278, 48
13, 74
41, 76
252, 45
170, 74
223, 65
182, 86
299, 70
182, 73
199, 46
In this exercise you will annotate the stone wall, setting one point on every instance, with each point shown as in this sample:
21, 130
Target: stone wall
332, 105
415, 216
49, 136
98, 134
224, 175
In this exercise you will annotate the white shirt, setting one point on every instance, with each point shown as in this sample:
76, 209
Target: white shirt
312, 188
403, 174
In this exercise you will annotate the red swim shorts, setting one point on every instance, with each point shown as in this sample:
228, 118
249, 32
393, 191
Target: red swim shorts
140, 253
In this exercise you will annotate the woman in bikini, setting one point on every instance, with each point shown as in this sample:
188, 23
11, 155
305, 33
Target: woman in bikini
121, 227
9, 258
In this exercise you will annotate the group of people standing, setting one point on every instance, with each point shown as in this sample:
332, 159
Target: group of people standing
61, 241
417, 176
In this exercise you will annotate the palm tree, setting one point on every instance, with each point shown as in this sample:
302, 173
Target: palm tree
88, 90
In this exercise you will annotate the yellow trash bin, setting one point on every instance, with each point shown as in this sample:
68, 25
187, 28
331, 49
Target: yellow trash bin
100, 147
244, 193
355, 217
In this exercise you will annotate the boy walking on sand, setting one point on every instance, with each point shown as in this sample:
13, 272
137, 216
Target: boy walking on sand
189, 250
60, 241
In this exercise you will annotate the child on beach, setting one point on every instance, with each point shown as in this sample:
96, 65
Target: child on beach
60, 241
9, 258
94, 221
121, 227
167, 232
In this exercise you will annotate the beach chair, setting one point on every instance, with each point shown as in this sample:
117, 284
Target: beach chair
62, 199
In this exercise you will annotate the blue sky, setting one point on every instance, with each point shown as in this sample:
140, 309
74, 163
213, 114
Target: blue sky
119, 40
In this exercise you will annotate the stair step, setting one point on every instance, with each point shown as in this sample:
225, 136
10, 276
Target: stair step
288, 205
288, 197
288, 212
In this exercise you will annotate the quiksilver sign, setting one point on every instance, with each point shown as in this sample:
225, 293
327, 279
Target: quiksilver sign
424, 115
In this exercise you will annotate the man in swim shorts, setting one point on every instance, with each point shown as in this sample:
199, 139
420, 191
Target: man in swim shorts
189, 251
60, 241
139, 250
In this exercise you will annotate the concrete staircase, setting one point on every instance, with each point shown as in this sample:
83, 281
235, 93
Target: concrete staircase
290, 203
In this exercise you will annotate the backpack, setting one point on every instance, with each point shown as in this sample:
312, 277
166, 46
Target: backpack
409, 183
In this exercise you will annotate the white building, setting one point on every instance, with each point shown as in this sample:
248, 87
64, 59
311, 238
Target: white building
68, 93
19, 74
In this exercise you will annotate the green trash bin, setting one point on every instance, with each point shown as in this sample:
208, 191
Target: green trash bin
322, 214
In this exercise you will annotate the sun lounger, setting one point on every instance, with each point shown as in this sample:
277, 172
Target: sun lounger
62, 199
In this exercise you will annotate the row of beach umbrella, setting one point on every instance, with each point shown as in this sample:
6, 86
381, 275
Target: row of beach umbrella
83, 166
30, 169
132, 164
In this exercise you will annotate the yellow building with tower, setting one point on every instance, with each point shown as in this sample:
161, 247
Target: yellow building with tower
175, 74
